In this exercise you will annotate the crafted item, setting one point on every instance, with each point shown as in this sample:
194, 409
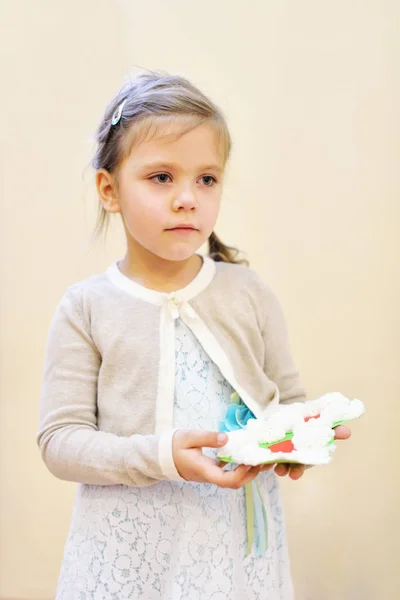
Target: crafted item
302, 432
298, 433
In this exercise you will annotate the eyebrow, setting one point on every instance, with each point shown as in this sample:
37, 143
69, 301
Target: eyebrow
159, 166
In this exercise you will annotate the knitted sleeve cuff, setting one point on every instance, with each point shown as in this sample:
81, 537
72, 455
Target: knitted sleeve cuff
165, 457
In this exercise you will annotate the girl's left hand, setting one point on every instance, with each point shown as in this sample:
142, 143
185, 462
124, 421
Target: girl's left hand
296, 471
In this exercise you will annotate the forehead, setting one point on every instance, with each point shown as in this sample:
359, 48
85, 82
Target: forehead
178, 142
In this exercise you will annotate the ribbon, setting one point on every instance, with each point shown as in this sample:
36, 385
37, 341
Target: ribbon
177, 306
256, 519
249, 496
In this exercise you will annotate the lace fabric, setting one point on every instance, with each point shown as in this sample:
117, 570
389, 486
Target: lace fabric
176, 540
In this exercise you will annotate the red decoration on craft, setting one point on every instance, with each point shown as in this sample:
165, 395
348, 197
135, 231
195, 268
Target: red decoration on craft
286, 446
312, 417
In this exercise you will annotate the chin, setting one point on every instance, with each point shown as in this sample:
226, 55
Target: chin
178, 254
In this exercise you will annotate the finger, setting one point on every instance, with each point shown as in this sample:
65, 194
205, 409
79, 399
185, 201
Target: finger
191, 438
282, 469
267, 467
296, 472
252, 474
342, 432
203, 462
226, 479
210, 469
242, 471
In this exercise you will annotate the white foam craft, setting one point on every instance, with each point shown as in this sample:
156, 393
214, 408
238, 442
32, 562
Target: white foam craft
312, 439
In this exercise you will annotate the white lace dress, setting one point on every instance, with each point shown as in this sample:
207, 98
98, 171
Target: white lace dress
174, 540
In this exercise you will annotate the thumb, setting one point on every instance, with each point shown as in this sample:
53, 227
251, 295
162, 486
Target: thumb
200, 439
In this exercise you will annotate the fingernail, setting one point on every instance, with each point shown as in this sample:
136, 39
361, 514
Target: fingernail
222, 438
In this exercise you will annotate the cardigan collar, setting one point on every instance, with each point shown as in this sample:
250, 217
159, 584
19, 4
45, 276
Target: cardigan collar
197, 285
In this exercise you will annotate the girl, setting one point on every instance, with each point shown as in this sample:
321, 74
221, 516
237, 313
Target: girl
142, 361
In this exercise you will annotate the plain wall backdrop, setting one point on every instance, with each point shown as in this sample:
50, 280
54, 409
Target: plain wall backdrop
311, 90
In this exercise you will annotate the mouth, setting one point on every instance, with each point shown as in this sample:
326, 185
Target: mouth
183, 228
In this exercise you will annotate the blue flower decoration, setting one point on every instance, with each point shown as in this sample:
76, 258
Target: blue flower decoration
236, 416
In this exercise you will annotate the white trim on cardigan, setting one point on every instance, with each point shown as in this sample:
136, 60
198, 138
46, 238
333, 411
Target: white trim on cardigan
166, 378
218, 356
166, 458
197, 285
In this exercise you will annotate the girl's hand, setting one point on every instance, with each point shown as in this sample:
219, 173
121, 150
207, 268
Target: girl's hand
192, 465
296, 471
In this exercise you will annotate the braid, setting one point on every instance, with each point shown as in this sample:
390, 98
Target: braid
221, 253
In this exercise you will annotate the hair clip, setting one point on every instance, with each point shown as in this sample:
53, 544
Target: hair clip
118, 113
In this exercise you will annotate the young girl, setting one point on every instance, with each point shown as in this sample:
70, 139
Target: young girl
141, 364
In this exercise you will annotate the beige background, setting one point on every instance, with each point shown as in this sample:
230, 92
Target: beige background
311, 90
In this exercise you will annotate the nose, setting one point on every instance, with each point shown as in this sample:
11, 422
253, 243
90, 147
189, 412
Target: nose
185, 199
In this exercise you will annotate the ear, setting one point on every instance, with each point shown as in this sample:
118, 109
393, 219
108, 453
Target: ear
106, 189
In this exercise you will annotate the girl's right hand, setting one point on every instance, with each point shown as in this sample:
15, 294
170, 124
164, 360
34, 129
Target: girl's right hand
192, 465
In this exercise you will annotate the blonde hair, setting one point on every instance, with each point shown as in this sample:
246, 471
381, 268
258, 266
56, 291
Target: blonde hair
151, 99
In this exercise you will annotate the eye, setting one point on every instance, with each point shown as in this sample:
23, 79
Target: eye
161, 178
208, 180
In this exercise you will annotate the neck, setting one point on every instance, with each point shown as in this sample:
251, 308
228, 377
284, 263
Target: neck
159, 274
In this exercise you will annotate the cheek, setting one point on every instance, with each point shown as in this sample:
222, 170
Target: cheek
143, 222
142, 208
212, 209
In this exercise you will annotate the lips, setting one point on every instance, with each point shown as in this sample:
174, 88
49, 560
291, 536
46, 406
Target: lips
190, 227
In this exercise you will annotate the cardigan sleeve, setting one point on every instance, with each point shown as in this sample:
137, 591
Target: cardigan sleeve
71, 445
278, 364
